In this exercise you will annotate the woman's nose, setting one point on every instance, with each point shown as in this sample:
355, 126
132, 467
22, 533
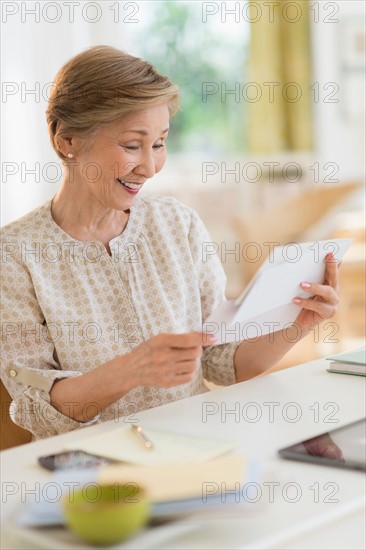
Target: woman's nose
147, 166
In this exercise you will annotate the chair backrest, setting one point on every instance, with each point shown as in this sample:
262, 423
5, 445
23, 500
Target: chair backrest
11, 435
287, 222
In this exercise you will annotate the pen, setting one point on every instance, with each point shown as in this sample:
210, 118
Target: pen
141, 434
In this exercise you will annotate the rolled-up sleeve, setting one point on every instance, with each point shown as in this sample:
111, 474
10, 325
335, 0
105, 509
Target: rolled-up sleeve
217, 361
29, 365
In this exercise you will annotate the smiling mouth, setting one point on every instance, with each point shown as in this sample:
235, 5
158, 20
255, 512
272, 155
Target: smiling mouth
130, 187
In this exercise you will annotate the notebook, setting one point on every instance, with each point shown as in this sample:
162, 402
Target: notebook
351, 362
180, 481
169, 448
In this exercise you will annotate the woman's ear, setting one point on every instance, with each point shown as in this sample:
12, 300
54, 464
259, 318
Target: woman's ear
63, 144
68, 145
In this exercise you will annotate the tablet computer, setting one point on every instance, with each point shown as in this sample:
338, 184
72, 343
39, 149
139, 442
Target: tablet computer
343, 447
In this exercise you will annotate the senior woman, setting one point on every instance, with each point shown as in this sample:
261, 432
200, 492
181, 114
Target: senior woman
104, 290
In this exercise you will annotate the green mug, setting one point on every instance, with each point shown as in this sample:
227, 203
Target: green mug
106, 514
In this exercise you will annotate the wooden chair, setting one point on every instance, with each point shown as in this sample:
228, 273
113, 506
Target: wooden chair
11, 435
352, 306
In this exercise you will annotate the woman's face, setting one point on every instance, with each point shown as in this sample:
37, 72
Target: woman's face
122, 157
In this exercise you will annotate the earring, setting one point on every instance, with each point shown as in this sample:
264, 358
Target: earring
70, 155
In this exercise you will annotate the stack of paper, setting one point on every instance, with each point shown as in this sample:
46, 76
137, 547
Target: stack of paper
180, 481
351, 362
179, 489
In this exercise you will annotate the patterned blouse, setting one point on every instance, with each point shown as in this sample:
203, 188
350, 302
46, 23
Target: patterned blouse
68, 306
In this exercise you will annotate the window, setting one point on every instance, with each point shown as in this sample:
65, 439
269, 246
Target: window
205, 54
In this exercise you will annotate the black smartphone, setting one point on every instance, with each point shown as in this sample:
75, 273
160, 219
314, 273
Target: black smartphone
73, 460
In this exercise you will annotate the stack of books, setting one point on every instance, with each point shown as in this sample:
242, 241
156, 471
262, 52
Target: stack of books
351, 362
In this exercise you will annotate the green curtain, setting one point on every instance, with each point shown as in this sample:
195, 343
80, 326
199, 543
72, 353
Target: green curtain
280, 67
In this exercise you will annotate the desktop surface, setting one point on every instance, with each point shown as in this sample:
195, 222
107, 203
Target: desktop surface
293, 505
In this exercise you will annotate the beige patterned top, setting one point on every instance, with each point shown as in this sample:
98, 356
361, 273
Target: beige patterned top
68, 306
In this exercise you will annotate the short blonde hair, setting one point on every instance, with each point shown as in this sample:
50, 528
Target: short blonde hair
98, 86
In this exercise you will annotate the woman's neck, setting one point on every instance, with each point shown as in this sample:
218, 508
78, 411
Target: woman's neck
86, 219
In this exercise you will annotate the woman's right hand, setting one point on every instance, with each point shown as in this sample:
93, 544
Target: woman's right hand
166, 360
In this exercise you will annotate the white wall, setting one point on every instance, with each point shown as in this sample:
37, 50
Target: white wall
35, 50
34, 53
340, 127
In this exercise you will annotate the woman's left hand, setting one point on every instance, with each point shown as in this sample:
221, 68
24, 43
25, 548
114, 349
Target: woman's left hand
324, 302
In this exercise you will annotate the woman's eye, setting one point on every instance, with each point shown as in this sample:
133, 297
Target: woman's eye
136, 147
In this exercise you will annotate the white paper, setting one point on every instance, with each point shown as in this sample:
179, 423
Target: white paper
266, 304
169, 448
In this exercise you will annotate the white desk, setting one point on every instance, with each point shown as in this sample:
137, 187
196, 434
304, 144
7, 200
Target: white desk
310, 522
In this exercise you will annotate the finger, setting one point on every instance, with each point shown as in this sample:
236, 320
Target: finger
331, 270
185, 354
183, 368
185, 379
178, 380
190, 340
324, 310
204, 338
208, 338
187, 365
326, 292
